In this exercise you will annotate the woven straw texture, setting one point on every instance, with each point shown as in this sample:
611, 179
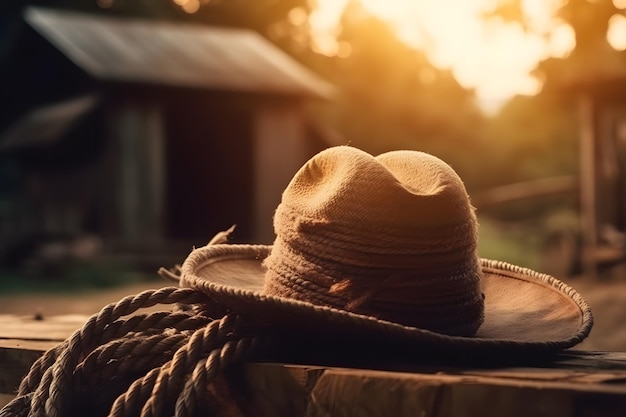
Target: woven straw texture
524, 310
392, 236
386, 245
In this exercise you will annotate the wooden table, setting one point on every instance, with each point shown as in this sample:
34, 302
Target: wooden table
572, 383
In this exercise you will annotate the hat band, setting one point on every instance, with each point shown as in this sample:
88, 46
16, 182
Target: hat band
374, 244
447, 299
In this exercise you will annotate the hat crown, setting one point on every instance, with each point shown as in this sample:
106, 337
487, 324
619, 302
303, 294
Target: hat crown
408, 190
392, 236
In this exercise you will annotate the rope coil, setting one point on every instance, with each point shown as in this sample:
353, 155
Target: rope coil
148, 365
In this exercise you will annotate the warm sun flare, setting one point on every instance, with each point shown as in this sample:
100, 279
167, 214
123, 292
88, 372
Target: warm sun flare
492, 56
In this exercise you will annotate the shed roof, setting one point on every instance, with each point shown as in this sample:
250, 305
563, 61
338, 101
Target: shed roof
174, 53
46, 124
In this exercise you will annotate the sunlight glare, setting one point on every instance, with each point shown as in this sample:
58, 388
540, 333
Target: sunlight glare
616, 34
391, 10
324, 21
191, 6
562, 40
620, 4
297, 16
495, 58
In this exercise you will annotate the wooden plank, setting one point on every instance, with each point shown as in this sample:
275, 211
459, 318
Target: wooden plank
274, 389
567, 384
350, 392
23, 339
21, 344
14, 365
55, 328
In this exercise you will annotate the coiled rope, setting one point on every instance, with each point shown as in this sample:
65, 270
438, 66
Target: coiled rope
123, 363
177, 356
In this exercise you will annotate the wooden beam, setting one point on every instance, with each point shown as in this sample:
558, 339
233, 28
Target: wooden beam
543, 187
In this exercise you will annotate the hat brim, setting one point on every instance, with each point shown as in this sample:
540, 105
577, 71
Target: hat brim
524, 309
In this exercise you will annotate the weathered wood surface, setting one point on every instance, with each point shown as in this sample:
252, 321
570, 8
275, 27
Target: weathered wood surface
573, 383
45, 329
300, 391
24, 339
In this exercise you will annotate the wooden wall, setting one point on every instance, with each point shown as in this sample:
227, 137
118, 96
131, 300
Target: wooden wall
280, 149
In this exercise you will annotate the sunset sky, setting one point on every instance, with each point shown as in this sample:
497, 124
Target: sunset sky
493, 57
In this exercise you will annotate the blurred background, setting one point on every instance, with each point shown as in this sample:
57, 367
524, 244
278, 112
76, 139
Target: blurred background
134, 130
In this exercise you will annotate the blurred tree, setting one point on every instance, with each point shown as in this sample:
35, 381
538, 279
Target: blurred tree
537, 136
391, 97
593, 58
532, 137
589, 19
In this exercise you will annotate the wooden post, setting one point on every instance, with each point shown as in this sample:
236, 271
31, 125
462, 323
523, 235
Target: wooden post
588, 192
137, 129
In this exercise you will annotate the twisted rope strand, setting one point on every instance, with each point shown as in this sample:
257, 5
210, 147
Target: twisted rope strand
207, 369
122, 356
123, 333
48, 399
31, 380
161, 385
171, 380
130, 402
18, 407
81, 342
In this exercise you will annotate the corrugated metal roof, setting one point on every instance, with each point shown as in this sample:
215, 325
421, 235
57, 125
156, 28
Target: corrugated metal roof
46, 124
178, 54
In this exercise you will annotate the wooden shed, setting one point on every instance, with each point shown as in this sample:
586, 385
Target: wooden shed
148, 132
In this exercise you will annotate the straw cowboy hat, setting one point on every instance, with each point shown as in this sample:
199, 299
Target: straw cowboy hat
385, 248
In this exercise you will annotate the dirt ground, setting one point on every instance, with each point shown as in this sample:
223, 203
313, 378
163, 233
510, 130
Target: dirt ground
608, 303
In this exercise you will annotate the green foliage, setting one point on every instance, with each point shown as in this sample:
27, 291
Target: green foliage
516, 243
70, 276
391, 97
532, 137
